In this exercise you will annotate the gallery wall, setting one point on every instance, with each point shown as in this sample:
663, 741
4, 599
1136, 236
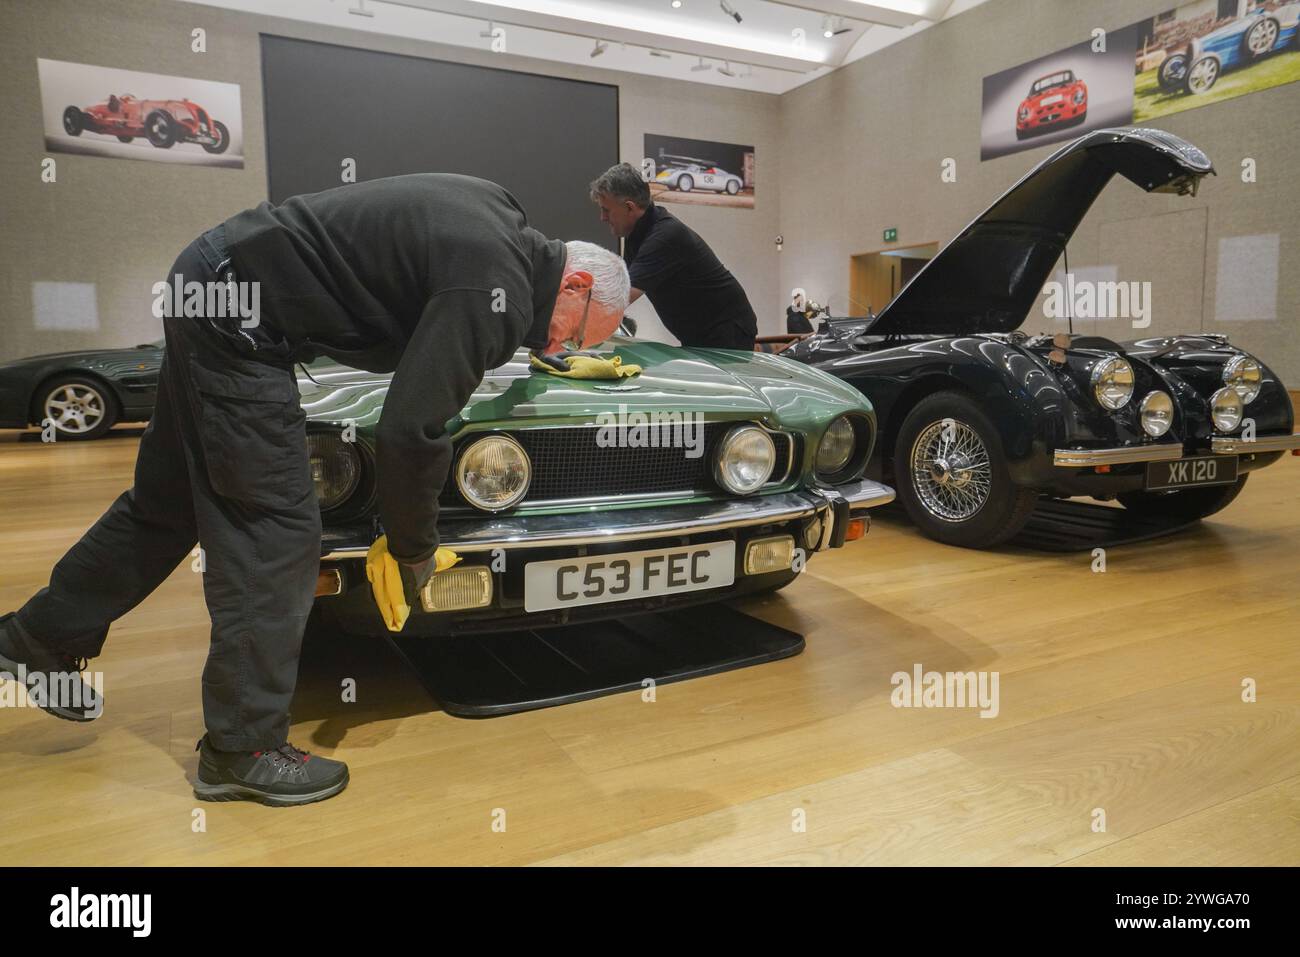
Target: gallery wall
864, 149
838, 161
107, 229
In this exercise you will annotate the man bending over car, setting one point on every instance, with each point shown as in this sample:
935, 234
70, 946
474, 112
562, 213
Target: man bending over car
434, 277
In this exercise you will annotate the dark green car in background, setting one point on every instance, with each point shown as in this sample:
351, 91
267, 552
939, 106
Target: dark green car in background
710, 475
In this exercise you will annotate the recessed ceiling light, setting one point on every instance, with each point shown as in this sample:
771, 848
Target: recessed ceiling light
677, 4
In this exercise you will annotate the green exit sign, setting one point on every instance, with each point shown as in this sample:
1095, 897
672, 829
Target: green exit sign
891, 234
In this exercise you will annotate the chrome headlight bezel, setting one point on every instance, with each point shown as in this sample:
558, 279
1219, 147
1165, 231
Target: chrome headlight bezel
723, 472
1155, 405
1108, 387
327, 450
509, 446
855, 462
839, 425
1226, 409
1236, 373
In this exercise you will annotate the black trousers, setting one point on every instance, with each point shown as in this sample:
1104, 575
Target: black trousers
222, 463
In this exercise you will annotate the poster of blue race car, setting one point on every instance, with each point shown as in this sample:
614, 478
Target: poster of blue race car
681, 170
1204, 52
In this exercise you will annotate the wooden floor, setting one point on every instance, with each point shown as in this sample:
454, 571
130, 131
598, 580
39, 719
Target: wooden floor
1119, 691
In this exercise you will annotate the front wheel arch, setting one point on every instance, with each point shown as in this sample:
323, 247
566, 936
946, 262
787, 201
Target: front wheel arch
35, 402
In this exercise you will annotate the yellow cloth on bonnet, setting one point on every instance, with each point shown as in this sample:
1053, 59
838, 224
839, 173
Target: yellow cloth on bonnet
589, 367
386, 581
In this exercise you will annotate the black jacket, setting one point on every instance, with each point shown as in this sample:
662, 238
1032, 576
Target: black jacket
698, 299
433, 276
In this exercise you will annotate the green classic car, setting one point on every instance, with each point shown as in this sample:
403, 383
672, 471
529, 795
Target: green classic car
712, 474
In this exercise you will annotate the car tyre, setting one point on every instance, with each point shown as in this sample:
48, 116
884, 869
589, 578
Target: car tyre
126, 139
1260, 39
685, 183
160, 129
1172, 72
223, 139
82, 407
733, 187
1188, 504
1201, 75
73, 121
984, 507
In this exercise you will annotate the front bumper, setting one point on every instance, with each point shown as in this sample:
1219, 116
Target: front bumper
817, 519
1169, 451
485, 533
1235, 445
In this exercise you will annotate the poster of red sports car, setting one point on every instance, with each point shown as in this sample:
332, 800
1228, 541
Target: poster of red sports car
1057, 97
103, 111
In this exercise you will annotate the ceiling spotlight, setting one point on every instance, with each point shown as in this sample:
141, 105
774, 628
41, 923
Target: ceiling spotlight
701, 66
725, 70
833, 26
729, 10
662, 54
597, 50
677, 4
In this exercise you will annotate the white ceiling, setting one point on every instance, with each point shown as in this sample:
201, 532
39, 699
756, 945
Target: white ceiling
778, 45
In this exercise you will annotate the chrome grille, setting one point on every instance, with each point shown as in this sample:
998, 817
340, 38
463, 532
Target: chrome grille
569, 465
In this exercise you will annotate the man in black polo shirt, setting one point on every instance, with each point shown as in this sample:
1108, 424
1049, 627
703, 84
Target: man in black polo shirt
433, 277
698, 299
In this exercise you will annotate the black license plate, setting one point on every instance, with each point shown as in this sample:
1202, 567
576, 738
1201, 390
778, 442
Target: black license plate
1191, 473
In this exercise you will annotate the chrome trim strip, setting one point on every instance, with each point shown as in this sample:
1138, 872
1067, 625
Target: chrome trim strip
486, 532
1081, 458
1236, 445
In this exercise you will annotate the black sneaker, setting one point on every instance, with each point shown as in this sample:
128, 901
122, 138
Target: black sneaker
52, 678
281, 777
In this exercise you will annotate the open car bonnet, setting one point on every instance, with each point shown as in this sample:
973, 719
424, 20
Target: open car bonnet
986, 279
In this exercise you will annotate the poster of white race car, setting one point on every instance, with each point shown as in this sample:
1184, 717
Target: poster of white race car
681, 170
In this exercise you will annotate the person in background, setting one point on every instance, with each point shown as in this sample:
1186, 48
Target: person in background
796, 317
698, 299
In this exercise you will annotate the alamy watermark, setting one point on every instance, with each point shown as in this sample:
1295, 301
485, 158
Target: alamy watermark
211, 300
651, 430
1098, 299
946, 689
80, 691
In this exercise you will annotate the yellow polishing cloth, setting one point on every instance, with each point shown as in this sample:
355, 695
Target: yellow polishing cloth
589, 367
384, 574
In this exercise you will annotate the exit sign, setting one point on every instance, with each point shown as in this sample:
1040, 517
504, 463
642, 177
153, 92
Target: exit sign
891, 234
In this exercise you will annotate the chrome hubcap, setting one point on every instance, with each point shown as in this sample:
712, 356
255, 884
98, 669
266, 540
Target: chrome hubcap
74, 408
951, 471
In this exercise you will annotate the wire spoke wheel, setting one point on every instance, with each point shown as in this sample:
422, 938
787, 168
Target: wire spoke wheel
75, 408
951, 471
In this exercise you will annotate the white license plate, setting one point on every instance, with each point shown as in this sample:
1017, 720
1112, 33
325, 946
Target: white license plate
627, 576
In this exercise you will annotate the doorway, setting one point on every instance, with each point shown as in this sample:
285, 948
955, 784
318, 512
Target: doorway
875, 278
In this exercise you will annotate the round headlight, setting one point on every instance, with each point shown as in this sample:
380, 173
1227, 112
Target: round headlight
335, 468
493, 473
1112, 382
1078, 96
1225, 409
746, 458
1157, 414
1245, 375
836, 447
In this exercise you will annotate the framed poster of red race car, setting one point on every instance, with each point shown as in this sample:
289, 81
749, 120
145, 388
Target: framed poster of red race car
126, 114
